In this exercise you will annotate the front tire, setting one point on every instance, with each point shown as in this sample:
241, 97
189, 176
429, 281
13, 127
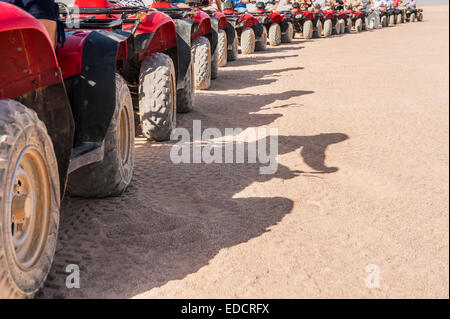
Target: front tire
29, 199
288, 35
348, 27
222, 51
308, 29
412, 17
274, 35
358, 25
327, 28
319, 29
185, 96
201, 51
157, 96
233, 52
112, 175
392, 20
248, 41
261, 44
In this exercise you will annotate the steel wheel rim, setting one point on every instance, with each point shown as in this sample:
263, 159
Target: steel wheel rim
29, 208
124, 131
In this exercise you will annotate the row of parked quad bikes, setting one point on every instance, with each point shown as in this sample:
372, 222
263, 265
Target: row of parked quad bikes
67, 119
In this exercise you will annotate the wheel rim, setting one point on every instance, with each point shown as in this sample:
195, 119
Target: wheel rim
29, 208
124, 131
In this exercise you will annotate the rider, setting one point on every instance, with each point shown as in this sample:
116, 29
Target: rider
47, 12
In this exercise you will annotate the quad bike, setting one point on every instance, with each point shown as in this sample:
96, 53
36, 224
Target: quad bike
384, 18
334, 23
412, 14
251, 34
59, 115
346, 21
308, 23
226, 36
399, 16
391, 17
198, 32
156, 63
357, 19
372, 19
279, 26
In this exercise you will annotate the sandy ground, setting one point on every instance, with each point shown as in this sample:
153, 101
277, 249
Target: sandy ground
362, 179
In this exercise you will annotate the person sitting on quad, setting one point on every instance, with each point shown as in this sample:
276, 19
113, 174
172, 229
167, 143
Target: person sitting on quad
339, 4
47, 12
396, 3
206, 5
410, 4
239, 5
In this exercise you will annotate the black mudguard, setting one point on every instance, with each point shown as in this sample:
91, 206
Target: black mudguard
231, 31
259, 29
53, 108
92, 93
214, 34
183, 29
284, 25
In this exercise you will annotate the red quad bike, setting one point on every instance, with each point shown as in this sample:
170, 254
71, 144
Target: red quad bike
59, 115
227, 41
251, 34
203, 38
308, 23
345, 16
357, 19
279, 26
334, 23
154, 62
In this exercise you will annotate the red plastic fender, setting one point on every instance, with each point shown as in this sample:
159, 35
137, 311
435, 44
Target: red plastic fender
308, 15
27, 55
204, 22
276, 17
162, 5
250, 21
223, 21
163, 29
329, 14
70, 56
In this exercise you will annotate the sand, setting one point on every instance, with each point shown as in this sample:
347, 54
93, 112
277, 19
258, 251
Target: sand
362, 179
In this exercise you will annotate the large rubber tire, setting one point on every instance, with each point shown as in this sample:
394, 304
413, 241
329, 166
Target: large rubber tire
412, 17
358, 25
288, 35
222, 51
261, 44
383, 21
308, 29
399, 19
420, 16
342, 26
337, 28
157, 96
215, 65
327, 28
233, 52
201, 51
348, 26
112, 175
274, 34
28, 175
318, 30
248, 41
185, 96
392, 20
